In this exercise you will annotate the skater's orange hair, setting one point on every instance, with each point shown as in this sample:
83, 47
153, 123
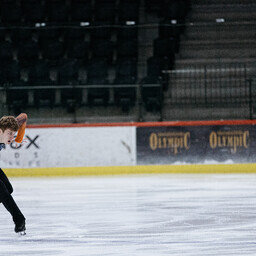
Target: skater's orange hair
22, 122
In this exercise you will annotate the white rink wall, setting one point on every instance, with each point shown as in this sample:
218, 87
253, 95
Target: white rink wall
73, 147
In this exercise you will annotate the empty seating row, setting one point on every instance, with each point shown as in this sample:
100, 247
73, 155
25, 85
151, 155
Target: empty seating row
59, 11
68, 72
125, 97
46, 97
97, 30
96, 82
28, 52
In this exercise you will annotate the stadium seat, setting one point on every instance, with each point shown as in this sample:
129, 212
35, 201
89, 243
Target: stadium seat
6, 51
128, 10
98, 96
152, 93
164, 47
74, 34
28, 52
15, 98
48, 33
78, 50
1, 77
174, 9
126, 74
97, 74
153, 5
53, 51
81, 11
102, 49
155, 65
11, 73
57, 11
3, 32
33, 11
126, 71
127, 32
71, 98
101, 30
170, 29
68, 72
39, 75
125, 97
10, 12
68, 75
105, 10
127, 49
21, 34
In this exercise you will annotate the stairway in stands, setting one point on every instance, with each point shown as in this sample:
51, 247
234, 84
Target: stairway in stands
220, 35
219, 31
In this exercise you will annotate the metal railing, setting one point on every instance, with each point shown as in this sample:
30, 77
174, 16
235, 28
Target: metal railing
9, 106
209, 85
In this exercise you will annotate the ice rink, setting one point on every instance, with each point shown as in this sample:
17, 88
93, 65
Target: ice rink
133, 215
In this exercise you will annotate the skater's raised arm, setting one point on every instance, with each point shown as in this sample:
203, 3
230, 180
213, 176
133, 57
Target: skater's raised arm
22, 122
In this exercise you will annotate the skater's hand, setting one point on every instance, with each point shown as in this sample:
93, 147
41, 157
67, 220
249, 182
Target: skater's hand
25, 140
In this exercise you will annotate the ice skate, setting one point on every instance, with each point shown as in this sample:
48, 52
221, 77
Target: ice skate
20, 228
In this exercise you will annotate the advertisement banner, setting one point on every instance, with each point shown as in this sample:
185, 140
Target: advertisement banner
196, 144
73, 147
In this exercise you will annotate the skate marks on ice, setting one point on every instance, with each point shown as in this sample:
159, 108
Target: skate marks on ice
134, 215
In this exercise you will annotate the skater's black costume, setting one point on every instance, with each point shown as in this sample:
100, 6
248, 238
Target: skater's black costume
9, 125
8, 201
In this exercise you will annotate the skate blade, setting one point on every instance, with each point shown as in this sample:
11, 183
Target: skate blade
22, 233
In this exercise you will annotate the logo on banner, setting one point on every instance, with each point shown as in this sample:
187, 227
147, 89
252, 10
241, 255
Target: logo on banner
26, 154
31, 142
174, 141
229, 139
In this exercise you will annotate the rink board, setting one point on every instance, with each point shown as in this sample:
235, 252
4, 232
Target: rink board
129, 170
134, 148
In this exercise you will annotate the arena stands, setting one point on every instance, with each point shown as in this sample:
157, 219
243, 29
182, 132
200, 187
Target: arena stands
106, 60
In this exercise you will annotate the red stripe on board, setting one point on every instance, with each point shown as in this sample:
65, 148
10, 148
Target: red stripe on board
149, 124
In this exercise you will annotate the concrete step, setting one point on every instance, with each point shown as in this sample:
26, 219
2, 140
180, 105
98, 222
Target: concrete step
216, 72
193, 81
225, 6
234, 53
184, 63
220, 33
214, 94
218, 44
225, 27
177, 112
226, 12
228, 2
236, 83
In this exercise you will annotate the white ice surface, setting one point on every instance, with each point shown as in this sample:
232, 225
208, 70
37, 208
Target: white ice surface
177, 215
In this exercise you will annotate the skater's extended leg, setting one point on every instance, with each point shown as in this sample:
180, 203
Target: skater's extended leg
11, 206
